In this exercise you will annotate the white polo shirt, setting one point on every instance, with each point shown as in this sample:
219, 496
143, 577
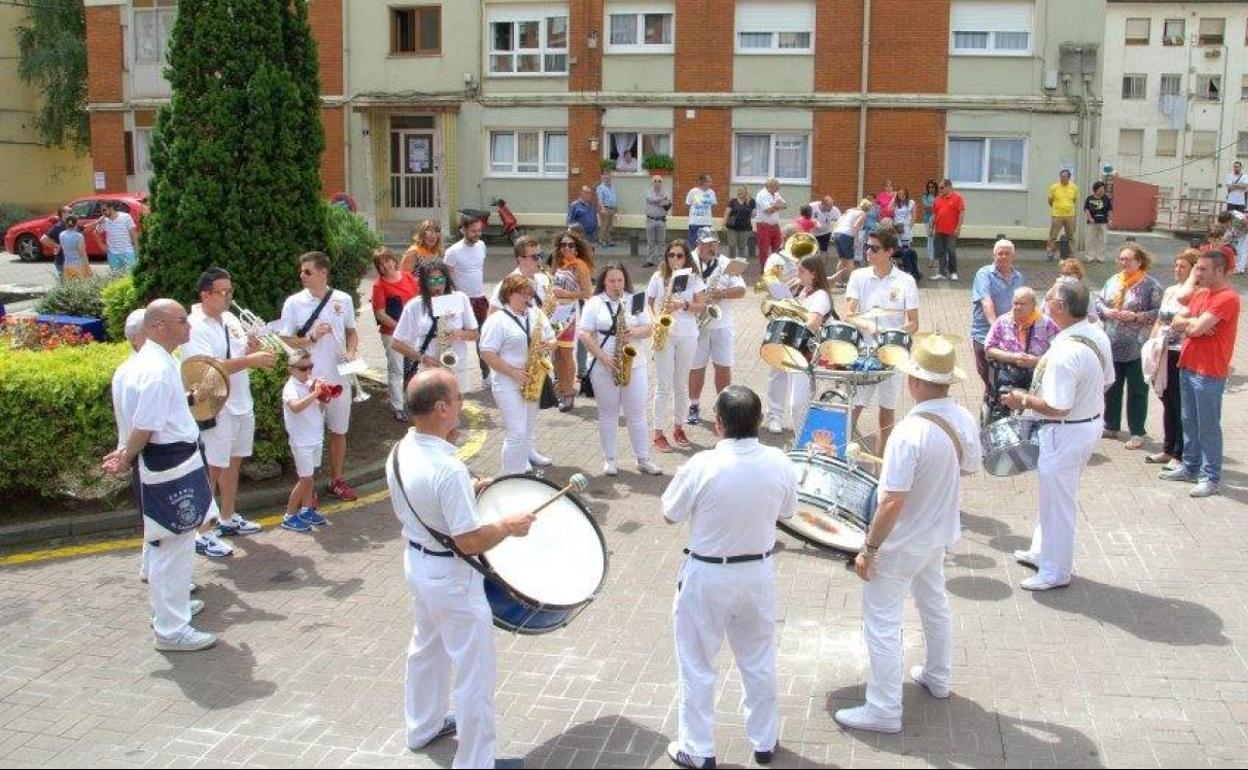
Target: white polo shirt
467, 265
208, 338
765, 200
152, 389
123, 403
438, 482
732, 496
825, 219
895, 291
415, 320
1073, 378
598, 316
724, 283
306, 428
921, 461
503, 336
540, 283
684, 323
326, 352
817, 301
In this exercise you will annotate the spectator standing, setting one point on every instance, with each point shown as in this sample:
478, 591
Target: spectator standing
769, 204
740, 223
1216, 240
466, 261
1237, 189
1062, 196
805, 222
930, 191
581, 212
845, 233
392, 290
607, 206
658, 203
1171, 408
701, 201
1236, 237
992, 295
1097, 207
885, 199
426, 246
118, 236
52, 240
948, 210
826, 215
72, 251
1128, 304
903, 217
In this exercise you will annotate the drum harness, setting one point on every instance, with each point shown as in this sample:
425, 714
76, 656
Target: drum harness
1040, 367
445, 540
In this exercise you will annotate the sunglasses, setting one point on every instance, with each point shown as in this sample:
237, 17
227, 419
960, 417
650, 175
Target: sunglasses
680, 254
437, 280
567, 244
306, 272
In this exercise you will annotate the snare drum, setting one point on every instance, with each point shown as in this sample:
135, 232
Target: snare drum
788, 345
894, 346
836, 503
1011, 446
541, 582
839, 343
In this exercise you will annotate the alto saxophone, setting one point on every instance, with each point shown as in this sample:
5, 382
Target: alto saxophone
537, 366
446, 356
624, 354
664, 325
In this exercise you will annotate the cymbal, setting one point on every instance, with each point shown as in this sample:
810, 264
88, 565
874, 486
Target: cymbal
210, 383
952, 338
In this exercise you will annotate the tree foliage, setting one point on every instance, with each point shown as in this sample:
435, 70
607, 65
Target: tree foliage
52, 57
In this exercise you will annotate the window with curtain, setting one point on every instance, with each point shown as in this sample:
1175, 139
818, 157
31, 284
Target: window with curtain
775, 26
628, 149
524, 41
556, 160
784, 156
639, 28
529, 153
1171, 85
991, 27
1167, 143
152, 30
1131, 142
986, 161
1174, 32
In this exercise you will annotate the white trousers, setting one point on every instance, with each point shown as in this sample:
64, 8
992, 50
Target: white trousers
1064, 453
614, 400
883, 604
519, 421
671, 367
394, 372
453, 630
737, 601
799, 392
170, 567
779, 390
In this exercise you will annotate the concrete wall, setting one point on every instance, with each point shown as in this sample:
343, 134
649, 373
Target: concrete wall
368, 30
773, 74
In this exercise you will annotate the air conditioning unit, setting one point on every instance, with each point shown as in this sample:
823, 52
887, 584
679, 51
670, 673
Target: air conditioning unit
1213, 53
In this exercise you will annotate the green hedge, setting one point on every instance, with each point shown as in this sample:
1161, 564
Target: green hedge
56, 416
118, 297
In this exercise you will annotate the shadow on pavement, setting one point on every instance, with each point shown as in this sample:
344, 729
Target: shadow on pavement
1175, 622
218, 678
263, 567
979, 588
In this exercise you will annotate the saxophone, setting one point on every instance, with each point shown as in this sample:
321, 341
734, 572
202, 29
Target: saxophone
664, 325
537, 366
446, 356
624, 354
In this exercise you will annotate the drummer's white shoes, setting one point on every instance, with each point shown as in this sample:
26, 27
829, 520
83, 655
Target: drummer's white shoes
189, 641
610, 468
916, 673
1027, 559
773, 426
867, 718
539, 460
649, 468
684, 759
1037, 583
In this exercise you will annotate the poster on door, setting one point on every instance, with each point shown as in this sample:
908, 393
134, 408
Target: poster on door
419, 155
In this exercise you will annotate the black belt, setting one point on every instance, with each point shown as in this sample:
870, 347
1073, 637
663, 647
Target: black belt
425, 550
656, 219
726, 559
1069, 422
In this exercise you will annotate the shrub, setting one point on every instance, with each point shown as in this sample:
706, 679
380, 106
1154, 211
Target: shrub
119, 297
11, 215
56, 416
658, 162
266, 392
350, 248
78, 297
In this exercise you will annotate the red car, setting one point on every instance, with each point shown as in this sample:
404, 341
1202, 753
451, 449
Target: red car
22, 238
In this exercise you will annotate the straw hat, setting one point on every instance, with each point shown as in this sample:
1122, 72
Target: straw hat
933, 359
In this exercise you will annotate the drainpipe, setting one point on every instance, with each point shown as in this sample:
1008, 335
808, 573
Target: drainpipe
862, 103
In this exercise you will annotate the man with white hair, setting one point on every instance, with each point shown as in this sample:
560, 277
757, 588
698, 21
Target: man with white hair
768, 205
122, 409
992, 294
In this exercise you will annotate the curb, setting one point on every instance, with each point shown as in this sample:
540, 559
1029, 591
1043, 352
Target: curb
128, 521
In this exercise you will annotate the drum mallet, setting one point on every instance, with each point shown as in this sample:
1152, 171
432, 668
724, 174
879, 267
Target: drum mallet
577, 482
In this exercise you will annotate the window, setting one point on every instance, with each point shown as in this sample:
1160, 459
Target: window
775, 27
416, 30
639, 28
758, 157
528, 40
1212, 31
1171, 85
1174, 32
1165, 197
981, 28
1243, 89
1203, 143
529, 153
1134, 86
993, 161
1209, 87
1131, 142
1241, 148
1138, 31
152, 29
629, 148
1167, 143
1200, 193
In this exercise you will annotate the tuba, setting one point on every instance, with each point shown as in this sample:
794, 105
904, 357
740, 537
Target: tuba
537, 366
624, 354
796, 248
789, 309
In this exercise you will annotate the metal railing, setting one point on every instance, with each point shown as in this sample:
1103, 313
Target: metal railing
1186, 216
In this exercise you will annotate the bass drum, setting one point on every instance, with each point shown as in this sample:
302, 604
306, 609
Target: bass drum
539, 583
835, 503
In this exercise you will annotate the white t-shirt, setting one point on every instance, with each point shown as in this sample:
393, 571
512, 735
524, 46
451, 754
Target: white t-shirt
684, 323
208, 338
849, 222
921, 461
415, 320
903, 216
123, 404
306, 428
153, 391
1236, 197
895, 291
763, 201
467, 266
598, 315
437, 481
724, 283
1073, 378
824, 218
700, 203
502, 335
327, 351
116, 231
788, 267
540, 282
732, 496
818, 302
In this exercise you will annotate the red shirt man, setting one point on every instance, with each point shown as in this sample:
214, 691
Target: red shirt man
1210, 354
947, 212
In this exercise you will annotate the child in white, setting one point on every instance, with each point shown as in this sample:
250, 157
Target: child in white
304, 416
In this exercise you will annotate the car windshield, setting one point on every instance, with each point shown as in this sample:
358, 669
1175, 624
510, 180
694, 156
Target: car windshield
83, 208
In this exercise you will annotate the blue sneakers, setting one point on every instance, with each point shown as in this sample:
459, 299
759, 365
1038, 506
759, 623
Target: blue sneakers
295, 523
312, 517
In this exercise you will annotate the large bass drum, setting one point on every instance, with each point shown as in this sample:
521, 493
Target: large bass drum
541, 582
835, 503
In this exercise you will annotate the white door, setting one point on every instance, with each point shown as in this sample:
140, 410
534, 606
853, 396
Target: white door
413, 175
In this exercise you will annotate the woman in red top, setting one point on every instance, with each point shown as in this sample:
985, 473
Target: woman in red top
391, 291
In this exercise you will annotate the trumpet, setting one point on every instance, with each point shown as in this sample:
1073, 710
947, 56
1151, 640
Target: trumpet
254, 326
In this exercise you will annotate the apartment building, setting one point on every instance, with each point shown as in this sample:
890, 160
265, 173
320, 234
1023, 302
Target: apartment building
443, 105
1176, 96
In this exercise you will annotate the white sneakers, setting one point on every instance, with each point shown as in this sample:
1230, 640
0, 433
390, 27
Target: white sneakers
865, 717
610, 468
917, 674
773, 426
649, 468
189, 641
1027, 559
1038, 583
540, 460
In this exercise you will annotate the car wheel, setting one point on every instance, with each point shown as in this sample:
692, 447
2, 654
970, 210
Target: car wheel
28, 249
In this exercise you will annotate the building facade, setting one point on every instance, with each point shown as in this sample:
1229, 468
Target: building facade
1176, 98
444, 105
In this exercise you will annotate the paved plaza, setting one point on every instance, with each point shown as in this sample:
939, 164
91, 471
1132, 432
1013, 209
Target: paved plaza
1140, 662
